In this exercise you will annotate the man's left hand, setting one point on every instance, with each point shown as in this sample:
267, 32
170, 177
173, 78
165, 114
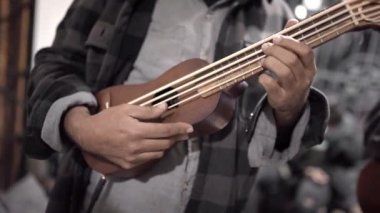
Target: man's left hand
293, 64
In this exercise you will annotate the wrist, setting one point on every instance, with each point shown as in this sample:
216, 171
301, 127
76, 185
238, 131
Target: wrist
285, 122
73, 123
287, 119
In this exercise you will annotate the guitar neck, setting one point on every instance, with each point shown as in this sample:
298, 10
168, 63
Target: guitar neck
313, 31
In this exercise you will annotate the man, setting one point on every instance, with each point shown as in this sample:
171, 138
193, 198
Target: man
103, 43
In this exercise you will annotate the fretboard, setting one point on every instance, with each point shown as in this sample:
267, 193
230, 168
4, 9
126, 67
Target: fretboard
313, 31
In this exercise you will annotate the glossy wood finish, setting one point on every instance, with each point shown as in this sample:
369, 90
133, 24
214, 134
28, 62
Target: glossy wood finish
207, 115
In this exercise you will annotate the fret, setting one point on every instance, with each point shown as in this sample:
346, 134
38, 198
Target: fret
315, 30
257, 53
318, 32
302, 36
352, 14
300, 33
245, 53
326, 27
337, 31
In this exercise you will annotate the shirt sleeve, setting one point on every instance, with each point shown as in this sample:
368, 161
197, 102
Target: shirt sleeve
261, 150
59, 71
51, 131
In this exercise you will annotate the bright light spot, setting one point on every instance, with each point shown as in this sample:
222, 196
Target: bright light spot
301, 12
313, 4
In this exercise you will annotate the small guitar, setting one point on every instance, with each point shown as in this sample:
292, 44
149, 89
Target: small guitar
198, 87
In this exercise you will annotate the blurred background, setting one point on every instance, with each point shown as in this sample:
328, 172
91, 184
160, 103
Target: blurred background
320, 180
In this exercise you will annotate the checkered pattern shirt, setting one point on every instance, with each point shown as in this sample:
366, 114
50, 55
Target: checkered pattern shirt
96, 46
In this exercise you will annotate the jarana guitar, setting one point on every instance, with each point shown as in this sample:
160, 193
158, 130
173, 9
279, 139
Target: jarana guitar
198, 87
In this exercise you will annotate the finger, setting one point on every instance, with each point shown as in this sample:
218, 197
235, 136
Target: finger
154, 145
145, 113
285, 76
137, 160
291, 22
163, 130
304, 52
271, 86
148, 156
287, 57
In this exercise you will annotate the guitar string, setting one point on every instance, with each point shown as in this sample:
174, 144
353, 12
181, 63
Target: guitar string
232, 71
244, 75
223, 69
234, 80
296, 34
239, 77
240, 66
220, 62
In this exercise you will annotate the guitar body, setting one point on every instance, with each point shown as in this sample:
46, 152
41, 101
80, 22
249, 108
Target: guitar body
368, 189
206, 114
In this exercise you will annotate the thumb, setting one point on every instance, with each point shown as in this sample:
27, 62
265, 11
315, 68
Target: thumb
291, 22
145, 112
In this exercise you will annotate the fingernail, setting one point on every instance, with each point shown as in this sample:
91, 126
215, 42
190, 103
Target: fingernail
277, 39
265, 46
161, 106
190, 130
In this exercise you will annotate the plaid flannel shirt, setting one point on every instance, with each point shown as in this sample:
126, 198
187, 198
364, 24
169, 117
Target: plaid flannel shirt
95, 47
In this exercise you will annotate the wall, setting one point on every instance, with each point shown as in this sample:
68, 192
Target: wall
15, 22
48, 14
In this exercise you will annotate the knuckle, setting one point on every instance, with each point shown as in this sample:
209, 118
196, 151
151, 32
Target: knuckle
152, 110
293, 61
272, 48
126, 165
268, 60
132, 148
137, 147
287, 72
130, 159
171, 130
166, 144
158, 155
264, 62
133, 132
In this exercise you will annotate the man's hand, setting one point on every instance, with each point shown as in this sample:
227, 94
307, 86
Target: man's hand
293, 64
124, 134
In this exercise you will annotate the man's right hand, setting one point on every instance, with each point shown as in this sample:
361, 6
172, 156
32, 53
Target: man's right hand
123, 134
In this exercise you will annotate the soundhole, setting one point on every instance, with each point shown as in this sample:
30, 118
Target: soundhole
168, 95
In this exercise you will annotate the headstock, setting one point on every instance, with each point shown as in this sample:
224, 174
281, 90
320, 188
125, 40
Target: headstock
366, 13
